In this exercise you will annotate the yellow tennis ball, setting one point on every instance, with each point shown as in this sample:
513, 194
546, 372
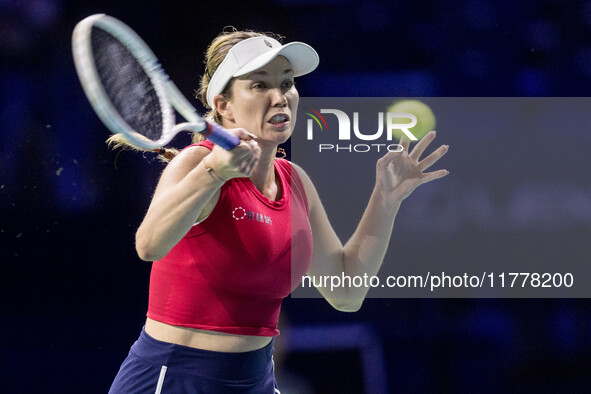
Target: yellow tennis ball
424, 114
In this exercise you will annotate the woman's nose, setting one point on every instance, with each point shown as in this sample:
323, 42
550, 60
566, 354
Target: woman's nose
278, 99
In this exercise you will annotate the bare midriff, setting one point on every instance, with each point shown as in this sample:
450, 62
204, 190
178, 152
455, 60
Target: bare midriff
205, 339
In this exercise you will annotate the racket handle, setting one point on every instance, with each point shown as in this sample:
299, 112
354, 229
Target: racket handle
219, 136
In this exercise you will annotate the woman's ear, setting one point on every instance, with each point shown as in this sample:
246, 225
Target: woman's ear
223, 107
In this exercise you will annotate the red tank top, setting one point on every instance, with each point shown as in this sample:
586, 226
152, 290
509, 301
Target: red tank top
231, 272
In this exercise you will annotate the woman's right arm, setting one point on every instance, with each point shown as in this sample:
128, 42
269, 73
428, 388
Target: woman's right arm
186, 190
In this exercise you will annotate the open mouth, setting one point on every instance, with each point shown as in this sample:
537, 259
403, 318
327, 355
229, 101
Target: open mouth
279, 120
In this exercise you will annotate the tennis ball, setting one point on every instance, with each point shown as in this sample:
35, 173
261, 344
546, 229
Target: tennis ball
425, 117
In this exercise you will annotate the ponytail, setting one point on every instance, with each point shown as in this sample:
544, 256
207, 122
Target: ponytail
118, 141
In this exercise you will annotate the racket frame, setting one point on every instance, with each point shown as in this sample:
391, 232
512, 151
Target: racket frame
168, 94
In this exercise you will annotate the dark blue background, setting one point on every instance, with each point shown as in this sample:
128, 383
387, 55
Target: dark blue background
74, 294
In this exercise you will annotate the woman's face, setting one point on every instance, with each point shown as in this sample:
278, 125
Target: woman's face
264, 102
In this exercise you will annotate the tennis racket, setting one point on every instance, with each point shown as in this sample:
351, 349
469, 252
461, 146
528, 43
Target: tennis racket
129, 90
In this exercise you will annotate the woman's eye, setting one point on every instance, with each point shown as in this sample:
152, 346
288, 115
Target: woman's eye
288, 85
258, 85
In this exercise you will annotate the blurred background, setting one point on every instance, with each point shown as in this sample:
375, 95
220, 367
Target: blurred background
74, 294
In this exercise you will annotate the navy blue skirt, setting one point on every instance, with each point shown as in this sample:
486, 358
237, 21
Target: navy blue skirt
154, 366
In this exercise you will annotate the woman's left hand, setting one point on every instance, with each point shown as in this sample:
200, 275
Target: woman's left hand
399, 173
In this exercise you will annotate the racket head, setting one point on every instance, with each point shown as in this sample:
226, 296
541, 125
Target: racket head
123, 81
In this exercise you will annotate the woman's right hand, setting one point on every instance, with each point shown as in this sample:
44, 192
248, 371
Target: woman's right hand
238, 162
185, 193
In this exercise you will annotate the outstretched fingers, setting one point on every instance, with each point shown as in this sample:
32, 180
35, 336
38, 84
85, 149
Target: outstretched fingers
422, 145
404, 142
431, 176
433, 157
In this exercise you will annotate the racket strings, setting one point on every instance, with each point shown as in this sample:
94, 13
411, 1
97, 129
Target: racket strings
127, 85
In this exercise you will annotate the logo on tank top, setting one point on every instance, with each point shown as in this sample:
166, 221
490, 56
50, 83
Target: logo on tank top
240, 213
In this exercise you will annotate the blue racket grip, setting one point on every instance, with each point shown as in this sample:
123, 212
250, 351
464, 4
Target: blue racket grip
219, 136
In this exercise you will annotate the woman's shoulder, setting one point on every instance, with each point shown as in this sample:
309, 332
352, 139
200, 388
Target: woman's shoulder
187, 159
299, 171
195, 152
205, 143
298, 174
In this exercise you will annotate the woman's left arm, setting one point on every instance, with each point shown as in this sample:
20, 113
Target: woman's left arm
397, 175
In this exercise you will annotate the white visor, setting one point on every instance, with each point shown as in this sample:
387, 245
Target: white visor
253, 53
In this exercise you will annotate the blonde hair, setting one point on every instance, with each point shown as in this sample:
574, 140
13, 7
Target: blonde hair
215, 54
118, 141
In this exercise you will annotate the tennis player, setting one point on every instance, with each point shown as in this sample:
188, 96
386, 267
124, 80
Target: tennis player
227, 230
